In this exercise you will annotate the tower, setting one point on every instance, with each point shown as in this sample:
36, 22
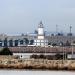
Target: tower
40, 31
40, 40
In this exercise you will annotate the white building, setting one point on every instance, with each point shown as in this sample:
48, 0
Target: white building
41, 40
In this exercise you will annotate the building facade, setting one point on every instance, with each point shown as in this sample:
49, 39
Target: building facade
40, 40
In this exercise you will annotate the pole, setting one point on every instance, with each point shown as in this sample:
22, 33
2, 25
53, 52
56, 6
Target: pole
63, 53
72, 51
70, 39
57, 34
70, 33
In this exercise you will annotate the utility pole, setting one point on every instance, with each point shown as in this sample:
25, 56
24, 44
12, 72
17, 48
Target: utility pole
71, 38
70, 33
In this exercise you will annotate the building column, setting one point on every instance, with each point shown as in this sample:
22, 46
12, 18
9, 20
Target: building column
2, 43
18, 43
7, 43
13, 43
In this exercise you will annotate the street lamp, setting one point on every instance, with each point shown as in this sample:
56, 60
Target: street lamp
70, 39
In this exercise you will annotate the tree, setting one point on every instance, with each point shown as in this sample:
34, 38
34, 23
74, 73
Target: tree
58, 56
34, 56
6, 51
42, 56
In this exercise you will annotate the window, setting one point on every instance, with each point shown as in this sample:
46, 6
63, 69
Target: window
5, 42
21, 41
16, 42
11, 43
0, 43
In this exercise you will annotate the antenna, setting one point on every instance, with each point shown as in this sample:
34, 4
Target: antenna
56, 29
70, 33
70, 39
57, 34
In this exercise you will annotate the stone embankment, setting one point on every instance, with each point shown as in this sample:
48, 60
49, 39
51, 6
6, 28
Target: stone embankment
17, 63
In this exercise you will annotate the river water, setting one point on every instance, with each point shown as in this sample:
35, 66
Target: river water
29, 72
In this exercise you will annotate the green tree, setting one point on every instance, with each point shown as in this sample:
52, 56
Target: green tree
6, 51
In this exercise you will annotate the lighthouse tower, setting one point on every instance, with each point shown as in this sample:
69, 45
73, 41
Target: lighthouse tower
40, 40
40, 31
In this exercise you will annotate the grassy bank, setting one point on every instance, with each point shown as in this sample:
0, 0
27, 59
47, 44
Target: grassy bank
17, 63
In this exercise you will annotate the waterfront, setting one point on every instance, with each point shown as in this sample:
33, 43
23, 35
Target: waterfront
12, 62
29, 72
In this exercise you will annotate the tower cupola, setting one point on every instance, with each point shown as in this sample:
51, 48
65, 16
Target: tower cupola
40, 29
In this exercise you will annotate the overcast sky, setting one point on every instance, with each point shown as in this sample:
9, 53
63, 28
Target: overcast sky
21, 16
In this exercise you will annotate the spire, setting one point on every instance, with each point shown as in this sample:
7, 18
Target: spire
40, 25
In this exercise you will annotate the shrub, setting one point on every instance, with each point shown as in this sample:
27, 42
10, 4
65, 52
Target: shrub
6, 51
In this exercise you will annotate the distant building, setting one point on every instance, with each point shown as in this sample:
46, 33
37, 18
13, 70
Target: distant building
40, 40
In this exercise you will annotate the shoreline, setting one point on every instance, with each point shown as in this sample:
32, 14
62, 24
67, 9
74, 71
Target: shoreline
10, 62
35, 69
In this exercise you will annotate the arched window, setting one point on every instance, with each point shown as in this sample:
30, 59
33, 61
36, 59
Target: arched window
21, 42
26, 41
0, 43
31, 42
11, 43
16, 42
5, 42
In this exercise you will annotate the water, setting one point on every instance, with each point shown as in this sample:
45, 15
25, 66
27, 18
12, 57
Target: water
24, 72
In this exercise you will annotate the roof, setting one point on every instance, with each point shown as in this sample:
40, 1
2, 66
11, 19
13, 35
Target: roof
31, 49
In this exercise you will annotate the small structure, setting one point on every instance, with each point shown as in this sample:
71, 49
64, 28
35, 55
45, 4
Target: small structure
41, 40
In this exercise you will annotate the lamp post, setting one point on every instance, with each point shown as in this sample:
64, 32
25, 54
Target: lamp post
71, 40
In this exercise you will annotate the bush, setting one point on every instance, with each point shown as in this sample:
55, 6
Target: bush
58, 56
5, 51
42, 56
34, 56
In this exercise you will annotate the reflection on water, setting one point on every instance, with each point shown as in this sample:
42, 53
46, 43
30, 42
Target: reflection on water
24, 72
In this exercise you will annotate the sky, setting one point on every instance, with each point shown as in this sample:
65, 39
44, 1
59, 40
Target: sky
23, 16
